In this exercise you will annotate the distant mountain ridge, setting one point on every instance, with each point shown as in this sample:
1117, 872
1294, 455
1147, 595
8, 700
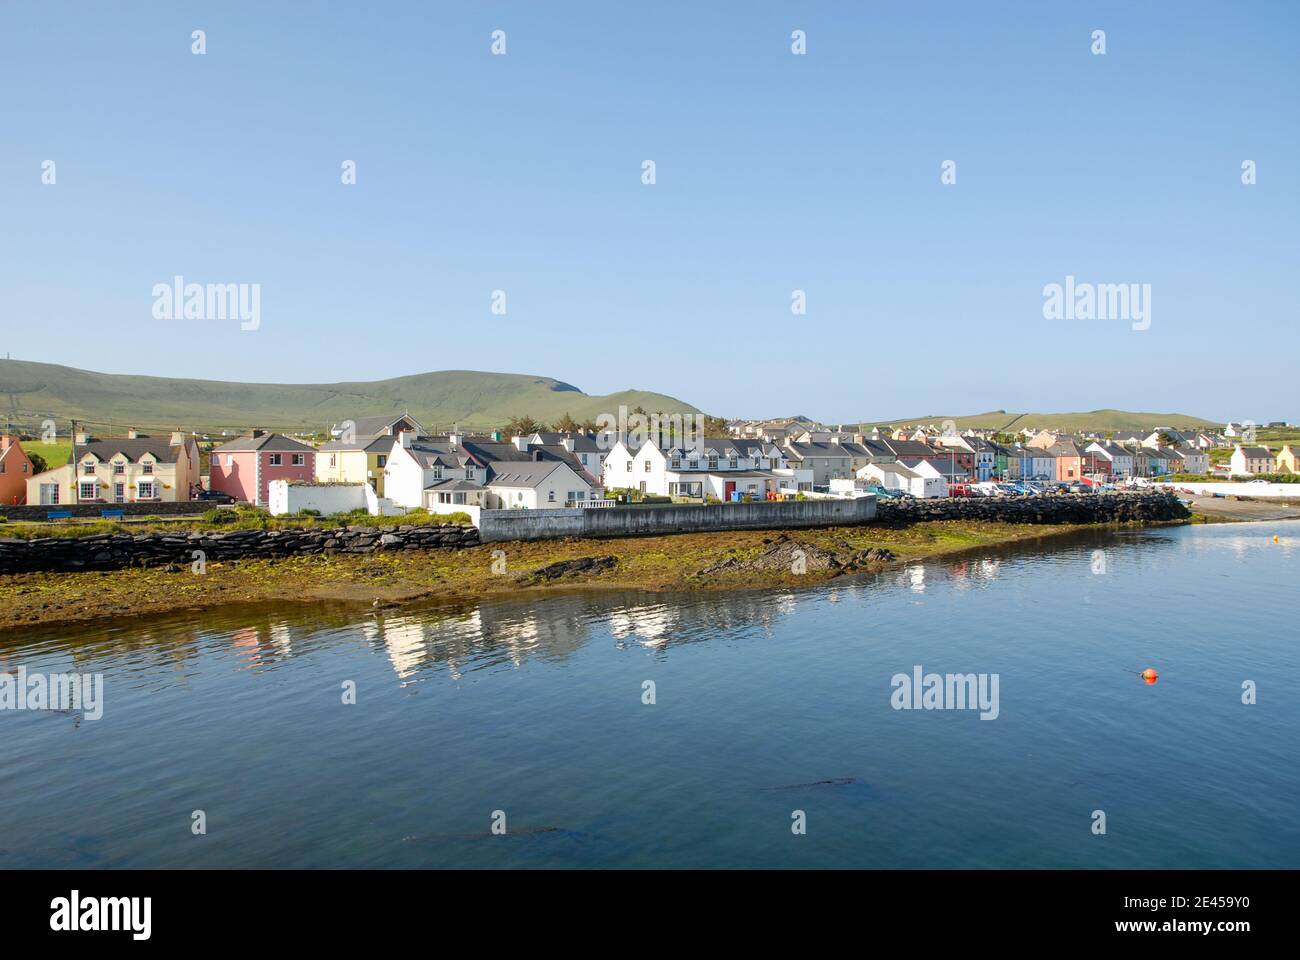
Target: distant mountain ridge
30, 392
1096, 421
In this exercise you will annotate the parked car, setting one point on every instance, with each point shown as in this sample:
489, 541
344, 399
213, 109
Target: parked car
214, 496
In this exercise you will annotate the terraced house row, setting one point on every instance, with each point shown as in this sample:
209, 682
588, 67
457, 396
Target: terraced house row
405, 467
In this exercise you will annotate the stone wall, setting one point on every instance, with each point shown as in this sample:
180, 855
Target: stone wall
1053, 508
115, 551
166, 508
632, 521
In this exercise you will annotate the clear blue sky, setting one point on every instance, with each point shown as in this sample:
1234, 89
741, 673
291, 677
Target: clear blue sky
775, 172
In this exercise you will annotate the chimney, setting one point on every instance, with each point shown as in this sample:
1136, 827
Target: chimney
537, 456
521, 443
404, 438
569, 444
81, 437
6, 441
453, 439
258, 433
133, 434
178, 438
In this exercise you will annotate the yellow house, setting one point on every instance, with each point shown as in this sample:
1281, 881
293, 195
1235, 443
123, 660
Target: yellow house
360, 461
360, 453
134, 470
1288, 460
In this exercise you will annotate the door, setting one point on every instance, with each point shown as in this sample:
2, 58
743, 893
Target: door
643, 486
119, 493
728, 489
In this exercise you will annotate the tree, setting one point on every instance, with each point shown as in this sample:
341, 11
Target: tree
715, 426
522, 426
567, 424
38, 462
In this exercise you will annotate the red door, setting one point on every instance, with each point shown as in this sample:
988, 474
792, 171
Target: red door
728, 489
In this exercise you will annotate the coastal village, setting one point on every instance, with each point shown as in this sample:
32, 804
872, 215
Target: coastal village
393, 465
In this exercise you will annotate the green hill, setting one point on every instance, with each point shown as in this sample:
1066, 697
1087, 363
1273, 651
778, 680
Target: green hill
31, 392
1099, 421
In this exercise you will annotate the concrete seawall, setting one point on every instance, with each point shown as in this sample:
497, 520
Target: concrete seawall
500, 525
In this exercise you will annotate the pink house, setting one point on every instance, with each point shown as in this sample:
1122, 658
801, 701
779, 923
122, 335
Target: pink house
244, 468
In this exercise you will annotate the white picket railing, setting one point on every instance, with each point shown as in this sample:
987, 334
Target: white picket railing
590, 504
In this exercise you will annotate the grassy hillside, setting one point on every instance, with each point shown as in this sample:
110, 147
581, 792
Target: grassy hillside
1101, 421
30, 392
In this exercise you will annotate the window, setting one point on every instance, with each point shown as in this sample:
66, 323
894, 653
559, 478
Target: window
550, 496
86, 491
25, 466
469, 472
300, 459
677, 463
230, 461
382, 460
49, 493
733, 463
275, 460
334, 460
647, 466
88, 468
119, 492
2, 468
713, 463
145, 490
119, 468
629, 466
146, 468
694, 464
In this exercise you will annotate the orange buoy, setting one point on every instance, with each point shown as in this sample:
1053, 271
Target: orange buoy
1275, 538
1150, 676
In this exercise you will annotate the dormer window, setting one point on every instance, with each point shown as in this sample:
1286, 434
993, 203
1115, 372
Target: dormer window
88, 468
469, 472
119, 468
733, 463
146, 468
694, 464
713, 463
677, 463
437, 473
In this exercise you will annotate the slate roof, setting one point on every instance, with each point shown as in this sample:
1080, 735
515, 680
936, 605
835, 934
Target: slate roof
267, 441
162, 450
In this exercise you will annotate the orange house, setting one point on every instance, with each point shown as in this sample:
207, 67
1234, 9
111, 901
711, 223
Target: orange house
15, 471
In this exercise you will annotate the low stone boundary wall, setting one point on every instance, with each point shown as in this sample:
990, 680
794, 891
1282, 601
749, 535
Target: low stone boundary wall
1051, 508
115, 551
499, 525
166, 508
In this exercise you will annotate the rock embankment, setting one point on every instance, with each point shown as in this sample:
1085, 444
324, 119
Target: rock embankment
1138, 507
786, 554
119, 550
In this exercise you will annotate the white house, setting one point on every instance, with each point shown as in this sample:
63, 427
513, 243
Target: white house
1121, 458
1248, 460
920, 480
536, 484
720, 468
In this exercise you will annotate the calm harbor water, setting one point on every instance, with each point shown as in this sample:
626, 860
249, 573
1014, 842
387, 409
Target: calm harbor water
534, 707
